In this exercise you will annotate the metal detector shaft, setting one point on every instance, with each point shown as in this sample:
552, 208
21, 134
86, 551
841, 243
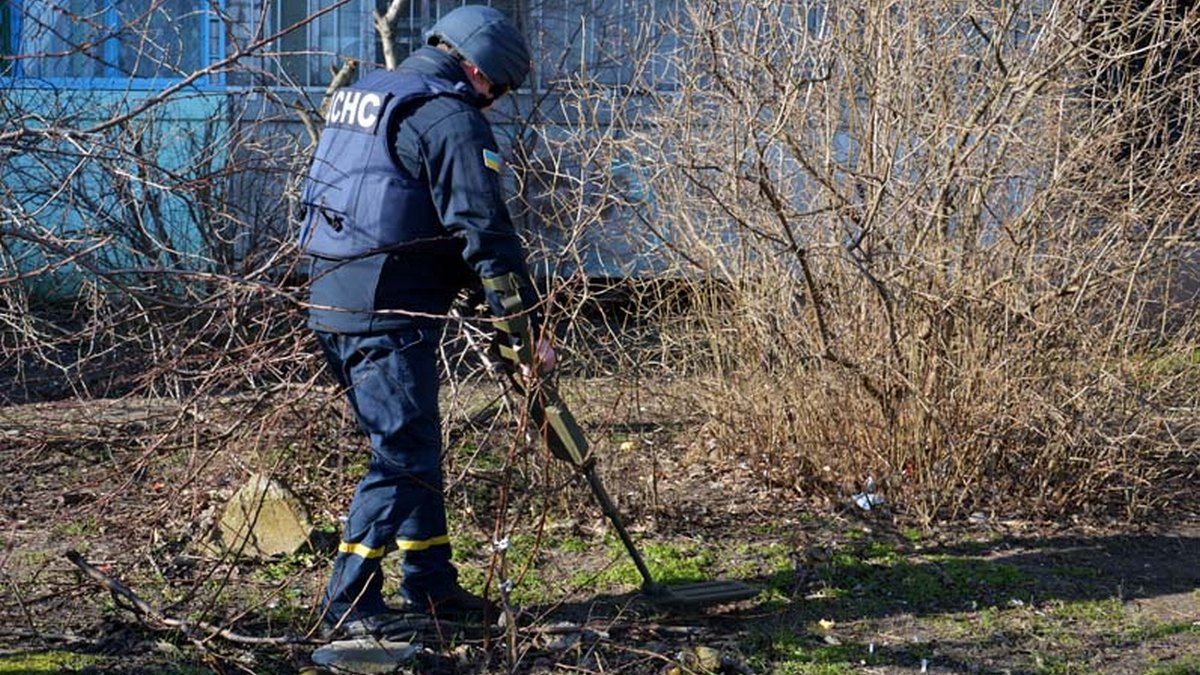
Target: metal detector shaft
567, 442
610, 511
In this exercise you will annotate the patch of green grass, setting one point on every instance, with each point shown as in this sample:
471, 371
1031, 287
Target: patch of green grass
772, 559
1158, 631
985, 575
912, 534
523, 554
801, 668
47, 662
676, 563
84, 527
471, 578
1172, 363
956, 626
791, 653
881, 553
809, 651
473, 555
1188, 665
466, 544
30, 559
531, 590
989, 618
278, 455
480, 461
668, 562
794, 655
287, 566
174, 666
877, 574
1069, 625
1106, 611
1075, 572
572, 545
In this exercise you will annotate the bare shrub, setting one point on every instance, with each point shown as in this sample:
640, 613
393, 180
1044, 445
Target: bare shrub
954, 243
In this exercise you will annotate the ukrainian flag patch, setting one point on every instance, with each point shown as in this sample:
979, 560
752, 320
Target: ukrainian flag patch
492, 160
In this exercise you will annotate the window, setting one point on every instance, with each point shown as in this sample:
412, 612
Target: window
609, 42
309, 55
420, 17
121, 42
7, 43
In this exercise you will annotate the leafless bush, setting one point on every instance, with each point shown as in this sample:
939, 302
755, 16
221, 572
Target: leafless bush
955, 244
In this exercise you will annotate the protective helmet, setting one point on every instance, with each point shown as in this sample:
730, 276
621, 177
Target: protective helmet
486, 37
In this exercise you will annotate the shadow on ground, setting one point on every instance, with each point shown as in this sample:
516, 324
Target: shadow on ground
870, 579
1015, 604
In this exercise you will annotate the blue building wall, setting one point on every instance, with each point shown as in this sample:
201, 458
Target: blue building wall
129, 195
202, 177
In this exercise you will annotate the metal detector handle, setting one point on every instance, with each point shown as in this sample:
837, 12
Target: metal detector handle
610, 511
515, 346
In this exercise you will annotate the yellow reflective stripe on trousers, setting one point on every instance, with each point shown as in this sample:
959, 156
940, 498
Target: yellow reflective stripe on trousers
405, 545
360, 550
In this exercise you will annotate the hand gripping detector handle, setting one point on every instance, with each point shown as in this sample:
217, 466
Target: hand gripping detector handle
514, 322
562, 433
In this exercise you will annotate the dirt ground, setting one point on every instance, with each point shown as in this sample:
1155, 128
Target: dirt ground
843, 590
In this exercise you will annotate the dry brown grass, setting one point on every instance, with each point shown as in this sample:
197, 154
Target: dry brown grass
948, 246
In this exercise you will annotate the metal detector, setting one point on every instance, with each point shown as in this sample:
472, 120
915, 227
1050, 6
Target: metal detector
566, 441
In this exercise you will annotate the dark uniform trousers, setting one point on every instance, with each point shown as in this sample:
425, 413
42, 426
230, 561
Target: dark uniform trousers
391, 380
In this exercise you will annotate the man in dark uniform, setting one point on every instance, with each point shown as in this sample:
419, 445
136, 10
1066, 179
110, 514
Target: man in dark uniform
405, 208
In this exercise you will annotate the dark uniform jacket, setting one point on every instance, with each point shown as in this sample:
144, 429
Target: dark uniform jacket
435, 225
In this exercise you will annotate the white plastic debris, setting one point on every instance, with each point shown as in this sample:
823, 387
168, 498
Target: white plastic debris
867, 499
924, 665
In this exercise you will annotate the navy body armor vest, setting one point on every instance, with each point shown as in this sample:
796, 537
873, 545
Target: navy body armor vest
357, 200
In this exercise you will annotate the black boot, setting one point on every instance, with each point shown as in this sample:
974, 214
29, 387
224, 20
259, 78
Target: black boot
460, 606
397, 625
